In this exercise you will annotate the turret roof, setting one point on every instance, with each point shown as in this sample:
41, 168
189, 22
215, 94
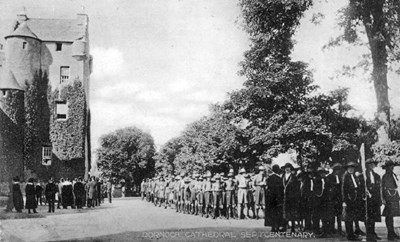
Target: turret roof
24, 31
8, 81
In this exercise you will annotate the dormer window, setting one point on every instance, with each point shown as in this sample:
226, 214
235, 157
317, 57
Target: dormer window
58, 46
24, 45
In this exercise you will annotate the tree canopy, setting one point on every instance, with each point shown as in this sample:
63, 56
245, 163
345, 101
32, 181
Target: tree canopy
126, 154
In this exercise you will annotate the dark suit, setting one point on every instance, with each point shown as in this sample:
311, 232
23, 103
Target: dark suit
392, 198
307, 201
274, 200
374, 202
50, 193
334, 205
320, 204
352, 196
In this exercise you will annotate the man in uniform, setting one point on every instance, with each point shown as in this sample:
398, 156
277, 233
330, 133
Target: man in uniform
334, 204
374, 202
217, 196
207, 188
177, 193
143, 188
230, 187
259, 186
391, 199
242, 184
199, 195
351, 193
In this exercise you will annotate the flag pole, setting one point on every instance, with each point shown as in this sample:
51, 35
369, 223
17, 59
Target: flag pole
364, 171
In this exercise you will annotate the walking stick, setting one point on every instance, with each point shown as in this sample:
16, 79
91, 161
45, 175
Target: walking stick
364, 171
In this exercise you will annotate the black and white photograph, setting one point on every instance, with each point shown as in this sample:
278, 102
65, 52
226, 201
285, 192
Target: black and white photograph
199, 120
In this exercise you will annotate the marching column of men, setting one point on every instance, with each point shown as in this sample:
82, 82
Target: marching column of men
311, 200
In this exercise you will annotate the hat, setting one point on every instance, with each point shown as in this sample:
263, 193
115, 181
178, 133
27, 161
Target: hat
351, 164
217, 176
287, 165
320, 169
208, 174
200, 178
388, 163
242, 171
276, 169
230, 174
231, 171
261, 168
186, 180
197, 175
371, 161
178, 178
212, 179
336, 166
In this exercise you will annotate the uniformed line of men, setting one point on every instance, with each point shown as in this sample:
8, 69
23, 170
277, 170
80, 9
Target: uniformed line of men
312, 199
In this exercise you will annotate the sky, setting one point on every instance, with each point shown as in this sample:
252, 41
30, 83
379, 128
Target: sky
159, 64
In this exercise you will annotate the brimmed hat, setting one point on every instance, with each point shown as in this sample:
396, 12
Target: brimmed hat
320, 169
371, 161
208, 174
261, 168
186, 180
351, 164
197, 175
336, 166
388, 163
217, 176
200, 178
287, 165
242, 171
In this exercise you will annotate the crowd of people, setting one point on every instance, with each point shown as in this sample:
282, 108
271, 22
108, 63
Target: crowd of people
76, 193
312, 199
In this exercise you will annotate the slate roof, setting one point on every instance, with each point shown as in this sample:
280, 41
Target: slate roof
23, 30
57, 30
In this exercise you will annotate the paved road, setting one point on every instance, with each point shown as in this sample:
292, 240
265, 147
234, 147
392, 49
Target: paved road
131, 219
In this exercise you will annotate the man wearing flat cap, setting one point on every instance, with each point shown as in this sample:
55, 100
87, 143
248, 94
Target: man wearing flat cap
334, 186
352, 193
391, 198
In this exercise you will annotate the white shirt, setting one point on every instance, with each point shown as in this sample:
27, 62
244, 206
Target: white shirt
287, 175
337, 179
371, 175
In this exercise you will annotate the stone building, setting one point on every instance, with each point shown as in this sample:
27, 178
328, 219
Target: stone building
56, 50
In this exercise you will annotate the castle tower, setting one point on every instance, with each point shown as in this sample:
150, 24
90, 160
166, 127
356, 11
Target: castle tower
23, 53
11, 132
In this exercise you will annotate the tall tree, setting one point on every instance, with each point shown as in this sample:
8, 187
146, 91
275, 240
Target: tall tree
378, 22
126, 154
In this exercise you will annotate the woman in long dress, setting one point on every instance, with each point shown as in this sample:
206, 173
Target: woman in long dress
30, 193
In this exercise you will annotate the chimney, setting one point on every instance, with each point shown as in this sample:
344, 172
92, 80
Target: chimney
21, 17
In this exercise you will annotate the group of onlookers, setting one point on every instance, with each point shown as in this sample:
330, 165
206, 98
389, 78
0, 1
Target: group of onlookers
310, 199
77, 193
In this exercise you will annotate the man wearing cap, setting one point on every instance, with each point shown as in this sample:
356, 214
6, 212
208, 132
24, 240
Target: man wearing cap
199, 195
259, 186
242, 184
177, 193
321, 203
274, 200
217, 196
351, 193
308, 197
207, 188
334, 205
374, 202
391, 198
230, 188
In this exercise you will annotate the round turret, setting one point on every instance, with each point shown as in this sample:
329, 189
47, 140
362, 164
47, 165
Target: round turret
23, 53
79, 50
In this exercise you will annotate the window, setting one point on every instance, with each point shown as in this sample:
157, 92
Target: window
61, 110
46, 155
58, 47
24, 45
64, 74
